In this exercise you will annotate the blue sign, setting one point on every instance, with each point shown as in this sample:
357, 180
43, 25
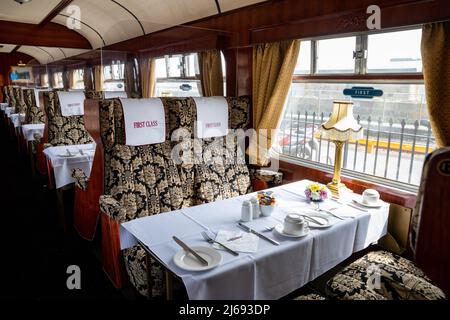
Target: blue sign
363, 92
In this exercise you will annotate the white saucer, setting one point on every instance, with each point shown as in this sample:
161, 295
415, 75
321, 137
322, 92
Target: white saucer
378, 204
187, 261
280, 229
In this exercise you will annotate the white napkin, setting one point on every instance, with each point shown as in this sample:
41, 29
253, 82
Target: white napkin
248, 242
72, 103
212, 117
36, 96
145, 121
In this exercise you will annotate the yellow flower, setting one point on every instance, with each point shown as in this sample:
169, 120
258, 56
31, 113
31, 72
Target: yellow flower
314, 187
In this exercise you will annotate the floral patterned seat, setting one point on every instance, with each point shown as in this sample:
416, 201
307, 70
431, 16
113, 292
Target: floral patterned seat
20, 106
6, 94
63, 130
92, 94
382, 275
33, 113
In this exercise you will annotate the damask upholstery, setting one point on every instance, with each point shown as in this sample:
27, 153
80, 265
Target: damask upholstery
311, 297
145, 180
63, 130
20, 106
12, 99
6, 94
81, 180
33, 114
382, 275
272, 178
92, 94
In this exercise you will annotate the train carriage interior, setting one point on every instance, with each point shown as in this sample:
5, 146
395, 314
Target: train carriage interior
262, 150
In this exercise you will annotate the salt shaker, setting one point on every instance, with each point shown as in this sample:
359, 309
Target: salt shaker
246, 211
255, 207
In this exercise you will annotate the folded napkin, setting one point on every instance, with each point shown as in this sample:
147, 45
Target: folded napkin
248, 242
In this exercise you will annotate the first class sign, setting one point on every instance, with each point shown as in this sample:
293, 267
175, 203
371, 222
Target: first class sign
145, 124
363, 92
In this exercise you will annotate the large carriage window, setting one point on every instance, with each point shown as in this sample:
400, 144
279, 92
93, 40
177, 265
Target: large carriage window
336, 55
78, 81
304, 61
397, 130
113, 77
177, 76
395, 52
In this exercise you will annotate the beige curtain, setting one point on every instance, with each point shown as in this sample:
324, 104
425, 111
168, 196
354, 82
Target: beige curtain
211, 74
436, 72
71, 75
87, 78
98, 78
130, 80
273, 67
148, 77
65, 80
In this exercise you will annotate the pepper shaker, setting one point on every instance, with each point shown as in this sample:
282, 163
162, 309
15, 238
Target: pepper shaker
255, 207
247, 211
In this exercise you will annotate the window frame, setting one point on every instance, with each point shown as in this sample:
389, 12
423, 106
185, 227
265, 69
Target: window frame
361, 71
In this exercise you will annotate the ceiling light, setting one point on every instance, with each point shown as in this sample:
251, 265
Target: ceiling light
22, 1
21, 64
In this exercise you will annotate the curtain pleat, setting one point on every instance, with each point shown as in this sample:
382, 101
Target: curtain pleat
71, 76
65, 79
273, 67
148, 77
98, 78
131, 85
87, 78
436, 73
211, 75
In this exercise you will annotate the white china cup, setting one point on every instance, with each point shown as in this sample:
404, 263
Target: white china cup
370, 197
294, 224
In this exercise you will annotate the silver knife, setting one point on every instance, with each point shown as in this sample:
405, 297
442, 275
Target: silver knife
243, 226
188, 249
349, 204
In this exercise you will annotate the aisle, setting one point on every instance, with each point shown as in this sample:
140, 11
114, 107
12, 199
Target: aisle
35, 253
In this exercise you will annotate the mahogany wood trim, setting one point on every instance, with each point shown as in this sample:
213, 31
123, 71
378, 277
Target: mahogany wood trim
86, 205
381, 76
294, 172
56, 10
50, 35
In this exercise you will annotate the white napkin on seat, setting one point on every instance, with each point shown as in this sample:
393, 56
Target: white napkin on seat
248, 242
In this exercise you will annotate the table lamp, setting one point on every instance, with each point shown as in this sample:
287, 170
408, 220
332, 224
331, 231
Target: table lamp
340, 128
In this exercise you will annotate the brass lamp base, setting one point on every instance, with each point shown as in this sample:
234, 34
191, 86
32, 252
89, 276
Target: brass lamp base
338, 189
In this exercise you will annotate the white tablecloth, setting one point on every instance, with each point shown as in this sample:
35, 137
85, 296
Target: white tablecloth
17, 118
63, 166
29, 130
273, 271
3, 106
9, 110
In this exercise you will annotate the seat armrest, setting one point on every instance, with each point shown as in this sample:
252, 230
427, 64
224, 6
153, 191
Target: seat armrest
112, 208
262, 178
81, 180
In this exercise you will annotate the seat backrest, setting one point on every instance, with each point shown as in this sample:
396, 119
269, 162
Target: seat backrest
63, 130
12, 99
20, 106
144, 179
218, 170
5, 94
430, 233
33, 114
92, 94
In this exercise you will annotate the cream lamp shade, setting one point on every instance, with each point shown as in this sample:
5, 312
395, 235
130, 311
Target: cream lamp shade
342, 126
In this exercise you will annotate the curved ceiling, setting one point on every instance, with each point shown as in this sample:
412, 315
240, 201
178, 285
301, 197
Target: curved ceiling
47, 55
105, 22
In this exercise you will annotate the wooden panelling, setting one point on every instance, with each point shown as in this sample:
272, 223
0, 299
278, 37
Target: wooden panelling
50, 35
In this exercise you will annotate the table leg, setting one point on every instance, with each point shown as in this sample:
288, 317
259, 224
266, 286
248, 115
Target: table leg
169, 285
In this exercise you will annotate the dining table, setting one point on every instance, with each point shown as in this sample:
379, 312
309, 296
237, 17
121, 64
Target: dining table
272, 271
64, 159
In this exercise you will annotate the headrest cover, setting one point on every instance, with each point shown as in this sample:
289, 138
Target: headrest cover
72, 103
212, 117
145, 121
115, 94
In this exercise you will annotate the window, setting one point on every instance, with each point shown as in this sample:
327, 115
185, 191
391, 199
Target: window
336, 55
178, 76
304, 60
397, 131
44, 80
58, 80
395, 52
78, 80
113, 76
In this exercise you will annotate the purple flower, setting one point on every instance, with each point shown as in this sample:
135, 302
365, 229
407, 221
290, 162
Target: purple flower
308, 193
323, 194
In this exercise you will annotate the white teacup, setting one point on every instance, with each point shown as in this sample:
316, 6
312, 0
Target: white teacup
370, 196
294, 224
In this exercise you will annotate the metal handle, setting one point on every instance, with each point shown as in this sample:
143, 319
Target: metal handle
234, 253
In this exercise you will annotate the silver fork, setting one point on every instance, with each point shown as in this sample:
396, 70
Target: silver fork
212, 241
